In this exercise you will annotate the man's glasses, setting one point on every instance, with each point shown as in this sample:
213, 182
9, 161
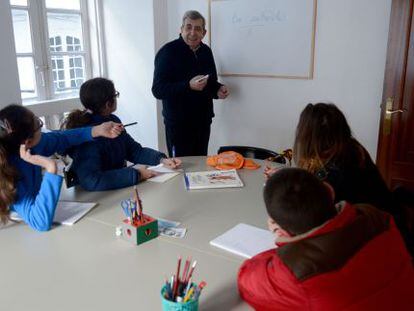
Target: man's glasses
116, 95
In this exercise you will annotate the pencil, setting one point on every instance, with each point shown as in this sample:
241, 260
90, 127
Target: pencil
186, 267
177, 281
129, 124
191, 271
138, 201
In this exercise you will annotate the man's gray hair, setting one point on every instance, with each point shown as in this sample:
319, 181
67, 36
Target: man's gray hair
193, 15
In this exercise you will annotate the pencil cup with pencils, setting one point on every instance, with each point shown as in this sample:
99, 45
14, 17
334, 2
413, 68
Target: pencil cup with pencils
181, 293
137, 228
168, 305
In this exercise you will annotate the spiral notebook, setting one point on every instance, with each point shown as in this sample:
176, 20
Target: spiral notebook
245, 240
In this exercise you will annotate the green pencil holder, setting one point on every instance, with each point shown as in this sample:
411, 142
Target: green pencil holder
168, 305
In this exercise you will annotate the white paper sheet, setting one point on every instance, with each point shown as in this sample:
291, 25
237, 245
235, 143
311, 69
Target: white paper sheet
67, 212
245, 240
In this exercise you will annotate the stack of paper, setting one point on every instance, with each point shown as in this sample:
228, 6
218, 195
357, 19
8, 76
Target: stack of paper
245, 240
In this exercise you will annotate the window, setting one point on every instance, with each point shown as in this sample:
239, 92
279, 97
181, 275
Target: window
52, 47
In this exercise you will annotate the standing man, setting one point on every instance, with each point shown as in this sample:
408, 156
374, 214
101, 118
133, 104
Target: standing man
185, 78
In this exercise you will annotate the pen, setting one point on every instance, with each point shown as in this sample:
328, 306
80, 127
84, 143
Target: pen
173, 151
129, 124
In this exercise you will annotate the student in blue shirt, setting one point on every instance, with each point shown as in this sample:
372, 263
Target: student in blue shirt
24, 152
101, 165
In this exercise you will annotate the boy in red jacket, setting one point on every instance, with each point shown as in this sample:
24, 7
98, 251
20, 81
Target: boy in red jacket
329, 257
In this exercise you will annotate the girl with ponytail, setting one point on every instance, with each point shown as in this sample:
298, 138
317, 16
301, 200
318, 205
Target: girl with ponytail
101, 165
24, 152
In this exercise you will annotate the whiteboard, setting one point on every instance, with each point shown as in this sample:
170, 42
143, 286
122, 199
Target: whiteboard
265, 38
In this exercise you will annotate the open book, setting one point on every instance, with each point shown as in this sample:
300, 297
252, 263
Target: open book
245, 240
212, 179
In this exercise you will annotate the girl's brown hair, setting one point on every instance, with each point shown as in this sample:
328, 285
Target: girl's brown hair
17, 124
323, 134
94, 94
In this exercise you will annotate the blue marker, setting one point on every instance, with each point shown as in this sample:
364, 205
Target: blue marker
173, 151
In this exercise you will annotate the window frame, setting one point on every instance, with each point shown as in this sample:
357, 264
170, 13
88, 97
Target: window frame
42, 56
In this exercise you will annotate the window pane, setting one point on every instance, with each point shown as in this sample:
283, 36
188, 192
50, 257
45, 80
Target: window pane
27, 77
63, 4
68, 73
55, 44
21, 28
66, 27
18, 2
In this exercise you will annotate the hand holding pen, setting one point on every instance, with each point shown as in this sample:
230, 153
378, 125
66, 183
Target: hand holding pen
172, 163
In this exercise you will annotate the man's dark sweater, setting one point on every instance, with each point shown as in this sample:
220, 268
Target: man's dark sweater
175, 65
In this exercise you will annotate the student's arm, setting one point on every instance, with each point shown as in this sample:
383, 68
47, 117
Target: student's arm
59, 141
38, 210
87, 165
265, 283
164, 86
138, 154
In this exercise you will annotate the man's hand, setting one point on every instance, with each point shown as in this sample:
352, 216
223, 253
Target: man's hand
223, 92
172, 163
48, 164
197, 83
107, 129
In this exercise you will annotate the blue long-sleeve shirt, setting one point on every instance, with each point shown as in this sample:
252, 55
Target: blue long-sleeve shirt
37, 196
101, 165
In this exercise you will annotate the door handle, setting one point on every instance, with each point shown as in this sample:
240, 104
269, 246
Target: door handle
388, 114
391, 112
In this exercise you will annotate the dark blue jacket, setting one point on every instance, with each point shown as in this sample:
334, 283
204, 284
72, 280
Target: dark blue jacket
175, 65
101, 164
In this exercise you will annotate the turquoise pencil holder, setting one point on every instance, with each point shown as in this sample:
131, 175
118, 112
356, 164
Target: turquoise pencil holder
168, 305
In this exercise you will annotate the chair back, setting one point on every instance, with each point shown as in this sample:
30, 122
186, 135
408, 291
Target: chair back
251, 152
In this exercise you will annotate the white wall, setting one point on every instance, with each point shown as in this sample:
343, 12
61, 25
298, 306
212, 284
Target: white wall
9, 85
130, 52
351, 40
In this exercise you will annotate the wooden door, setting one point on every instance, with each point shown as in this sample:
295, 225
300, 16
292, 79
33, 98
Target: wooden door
395, 156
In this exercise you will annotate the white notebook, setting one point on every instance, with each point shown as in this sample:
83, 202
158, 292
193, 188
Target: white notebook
67, 212
165, 173
245, 240
212, 179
